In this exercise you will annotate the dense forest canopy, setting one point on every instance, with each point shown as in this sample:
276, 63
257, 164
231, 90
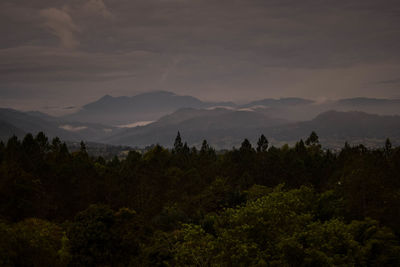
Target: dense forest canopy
251, 206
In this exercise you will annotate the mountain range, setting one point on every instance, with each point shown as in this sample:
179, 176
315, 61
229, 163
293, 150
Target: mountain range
124, 110
143, 107
19, 123
227, 128
224, 124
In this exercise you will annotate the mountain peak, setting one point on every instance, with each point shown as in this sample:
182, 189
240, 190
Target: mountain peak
106, 97
141, 107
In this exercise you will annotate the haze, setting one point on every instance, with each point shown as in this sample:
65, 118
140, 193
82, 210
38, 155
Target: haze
58, 55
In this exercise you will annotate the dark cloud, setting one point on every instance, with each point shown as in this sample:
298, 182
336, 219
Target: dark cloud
231, 50
393, 81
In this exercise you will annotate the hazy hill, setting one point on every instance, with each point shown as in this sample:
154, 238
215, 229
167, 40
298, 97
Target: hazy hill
221, 127
20, 123
151, 106
335, 127
30, 123
283, 120
364, 101
226, 128
143, 107
7, 130
41, 115
298, 109
380, 106
285, 102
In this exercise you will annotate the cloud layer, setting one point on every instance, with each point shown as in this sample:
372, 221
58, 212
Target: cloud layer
52, 51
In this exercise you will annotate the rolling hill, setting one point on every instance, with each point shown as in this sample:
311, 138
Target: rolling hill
20, 123
143, 107
221, 127
152, 106
223, 124
225, 128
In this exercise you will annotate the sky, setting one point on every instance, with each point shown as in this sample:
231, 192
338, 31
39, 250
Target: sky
56, 56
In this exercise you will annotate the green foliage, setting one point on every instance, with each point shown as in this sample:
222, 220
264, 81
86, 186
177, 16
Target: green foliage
280, 229
21, 193
99, 236
178, 145
32, 242
39, 241
262, 144
288, 206
313, 139
8, 244
194, 247
257, 191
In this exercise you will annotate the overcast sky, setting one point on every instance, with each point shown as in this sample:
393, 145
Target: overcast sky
55, 55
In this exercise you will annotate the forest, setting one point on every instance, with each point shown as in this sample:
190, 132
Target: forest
249, 206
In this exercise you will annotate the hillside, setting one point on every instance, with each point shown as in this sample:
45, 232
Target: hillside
225, 128
19, 123
152, 106
336, 127
222, 127
143, 107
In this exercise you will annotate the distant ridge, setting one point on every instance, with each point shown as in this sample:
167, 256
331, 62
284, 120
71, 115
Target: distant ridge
143, 107
225, 128
367, 101
123, 110
7, 130
271, 102
344, 126
14, 122
224, 124
221, 127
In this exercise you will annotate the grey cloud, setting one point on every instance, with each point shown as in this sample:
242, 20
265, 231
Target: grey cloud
97, 7
60, 23
41, 64
392, 81
208, 48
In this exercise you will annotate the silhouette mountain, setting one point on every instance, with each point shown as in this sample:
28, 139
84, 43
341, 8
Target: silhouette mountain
143, 107
19, 123
225, 128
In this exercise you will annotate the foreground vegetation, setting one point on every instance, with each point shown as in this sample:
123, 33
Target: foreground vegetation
263, 206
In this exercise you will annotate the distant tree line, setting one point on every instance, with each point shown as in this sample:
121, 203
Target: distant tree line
251, 206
